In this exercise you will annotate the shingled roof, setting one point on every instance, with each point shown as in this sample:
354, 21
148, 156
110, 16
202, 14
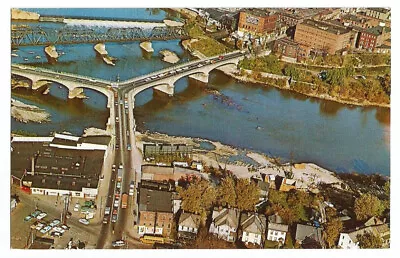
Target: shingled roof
229, 217
189, 220
253, 223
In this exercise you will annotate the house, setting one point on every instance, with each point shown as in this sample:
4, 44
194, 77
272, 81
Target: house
225, 223
309, 236
188, 225
253, 226
349, 240
276, 230
263, 186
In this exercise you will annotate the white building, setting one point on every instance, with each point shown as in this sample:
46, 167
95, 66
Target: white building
276, 229
225, 223
188, 225
253, 226
349, 240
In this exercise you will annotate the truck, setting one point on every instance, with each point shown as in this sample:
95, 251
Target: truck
124, 201
119, 174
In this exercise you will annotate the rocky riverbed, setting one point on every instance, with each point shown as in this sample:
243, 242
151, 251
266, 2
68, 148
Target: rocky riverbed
28, 113
169, 56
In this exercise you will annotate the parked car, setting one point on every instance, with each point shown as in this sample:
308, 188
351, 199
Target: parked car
105, 219
84, 221
27, 218
118, 184
59, 229
56, 234
121, 166
118, 243
65, 227
40, 226
55, 222
116, 203
45, 229
77, 207
35, 213
131, 192
41, 215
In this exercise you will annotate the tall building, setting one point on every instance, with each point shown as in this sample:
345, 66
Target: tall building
378, 13
256, 22
322, 37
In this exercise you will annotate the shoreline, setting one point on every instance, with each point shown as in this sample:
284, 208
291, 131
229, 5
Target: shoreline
307, 174
25, 113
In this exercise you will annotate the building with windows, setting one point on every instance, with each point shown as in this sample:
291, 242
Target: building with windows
188, 225
59, 165
276, 230
155, 212
253, 226
322, 37
378, 13
225, 223
374, 37
256, 22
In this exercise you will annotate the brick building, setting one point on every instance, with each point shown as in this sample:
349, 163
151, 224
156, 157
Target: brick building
256, 22
288, 49
322, 37
373, 37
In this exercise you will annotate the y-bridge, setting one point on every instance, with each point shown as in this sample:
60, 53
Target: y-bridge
163, 80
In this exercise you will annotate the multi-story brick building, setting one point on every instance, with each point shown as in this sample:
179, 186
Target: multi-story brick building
378, 13
322, 37
256, 22
288, 49
373, 37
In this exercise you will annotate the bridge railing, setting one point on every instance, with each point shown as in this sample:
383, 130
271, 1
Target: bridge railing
38, 70
173, 67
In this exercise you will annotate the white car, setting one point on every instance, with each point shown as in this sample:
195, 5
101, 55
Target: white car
107, 211
116, 203
39, 226
77, 207
59, 229
84, 221
41, 216
55, 222
130, 192
45, 230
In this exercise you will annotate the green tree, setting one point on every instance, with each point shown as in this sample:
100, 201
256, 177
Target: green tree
335, 76
369, 240
331, 231
248, 194
291, 71
366, 206
198, 197
226, 192
277, 197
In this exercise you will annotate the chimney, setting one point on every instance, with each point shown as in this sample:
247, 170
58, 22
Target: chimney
33, 166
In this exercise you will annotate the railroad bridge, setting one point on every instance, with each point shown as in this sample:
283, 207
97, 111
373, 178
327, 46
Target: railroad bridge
25, 35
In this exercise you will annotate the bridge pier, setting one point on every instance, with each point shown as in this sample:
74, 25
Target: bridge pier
165, 89
202, 77
38, 84
76, 93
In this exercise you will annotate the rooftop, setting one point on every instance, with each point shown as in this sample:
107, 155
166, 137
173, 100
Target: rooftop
189, 220
258, 12
380, 10
154, 200
229, 217
253, 223
334, 29
306, 231
377, 30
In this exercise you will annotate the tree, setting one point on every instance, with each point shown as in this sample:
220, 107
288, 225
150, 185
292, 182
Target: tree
369, 240
335, 76
332, 231
248, 194
277, 197
291, 71
226, 193
198, 197
366, 206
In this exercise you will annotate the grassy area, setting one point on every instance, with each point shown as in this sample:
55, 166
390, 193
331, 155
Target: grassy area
23, 133
267, 64
209, 46
270, 244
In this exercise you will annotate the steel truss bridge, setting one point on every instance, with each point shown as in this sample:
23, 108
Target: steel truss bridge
31, 36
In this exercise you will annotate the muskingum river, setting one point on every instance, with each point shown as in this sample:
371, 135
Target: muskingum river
342, 138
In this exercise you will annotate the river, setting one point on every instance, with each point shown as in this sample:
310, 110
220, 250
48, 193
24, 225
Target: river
338, 137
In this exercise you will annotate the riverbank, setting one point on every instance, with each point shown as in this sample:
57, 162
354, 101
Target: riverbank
235, 73
307, 175
28, 113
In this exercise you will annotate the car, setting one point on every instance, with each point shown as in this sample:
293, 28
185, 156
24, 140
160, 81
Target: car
105, 219
118, 243
59, 229
118, 184
65, 227
84, 221
116, 147
116, 119
55, 222
121, 166
147, 79
45, 229
40, 226
69, 214
92, 80
28, 218
107, 210
131, 192
132, 184
185, 68
114, 218
35, 213
221, 57
200, 65
41, 216
114, 166
77, 207
116, 203
56, 234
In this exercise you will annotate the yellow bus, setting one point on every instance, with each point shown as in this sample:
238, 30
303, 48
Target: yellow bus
149, 239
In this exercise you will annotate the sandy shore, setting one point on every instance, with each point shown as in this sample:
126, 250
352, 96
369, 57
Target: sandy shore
307, 175
28, 113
